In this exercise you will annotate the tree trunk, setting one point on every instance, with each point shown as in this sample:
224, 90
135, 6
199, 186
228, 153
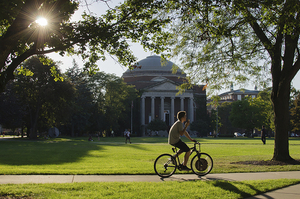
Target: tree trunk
22, 132
33, 130
72, 129
280, 98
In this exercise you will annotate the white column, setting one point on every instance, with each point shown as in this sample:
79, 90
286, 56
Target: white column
182, 103
152, 108
143, 110
172, 111
191, 109
162, 106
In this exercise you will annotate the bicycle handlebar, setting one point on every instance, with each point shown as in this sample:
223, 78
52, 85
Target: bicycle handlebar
196, 143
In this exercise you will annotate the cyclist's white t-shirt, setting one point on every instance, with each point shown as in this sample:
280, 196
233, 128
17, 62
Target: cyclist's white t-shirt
174, 134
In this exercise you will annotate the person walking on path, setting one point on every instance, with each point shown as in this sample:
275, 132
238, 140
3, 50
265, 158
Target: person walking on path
263, 135
176, 131
127, 135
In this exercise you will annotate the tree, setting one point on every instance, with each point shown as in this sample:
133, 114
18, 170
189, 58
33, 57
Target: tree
118, 97
157, 125
45, 100
250, 113
201, 126
201, 123
244, 116
224, 111
21, 36
224, 41
11, 109
82, 103
268, 110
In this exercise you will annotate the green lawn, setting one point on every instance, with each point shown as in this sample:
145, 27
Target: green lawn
189, 189
113, 156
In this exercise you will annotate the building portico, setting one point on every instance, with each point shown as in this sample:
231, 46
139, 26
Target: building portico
168, 106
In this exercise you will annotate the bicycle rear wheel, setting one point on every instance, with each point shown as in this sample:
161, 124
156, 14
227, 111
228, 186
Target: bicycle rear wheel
201, 164
165, 165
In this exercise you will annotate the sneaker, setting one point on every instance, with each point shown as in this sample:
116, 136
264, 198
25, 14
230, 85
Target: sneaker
185, 168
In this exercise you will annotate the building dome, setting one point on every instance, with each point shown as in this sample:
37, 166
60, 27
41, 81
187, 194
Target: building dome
153, 65
158, 86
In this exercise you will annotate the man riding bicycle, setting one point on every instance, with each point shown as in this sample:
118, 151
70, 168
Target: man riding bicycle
175, 132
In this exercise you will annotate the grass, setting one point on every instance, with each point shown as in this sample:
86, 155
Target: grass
188, 189
112, 156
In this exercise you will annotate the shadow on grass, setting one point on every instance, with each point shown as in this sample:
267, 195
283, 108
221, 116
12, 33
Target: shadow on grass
228, 186
268, 162
138, 147
24, 152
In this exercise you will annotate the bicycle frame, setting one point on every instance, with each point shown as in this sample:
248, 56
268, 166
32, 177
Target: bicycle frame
193, 149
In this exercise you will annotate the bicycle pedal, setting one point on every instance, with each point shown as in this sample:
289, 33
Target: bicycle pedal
180, 167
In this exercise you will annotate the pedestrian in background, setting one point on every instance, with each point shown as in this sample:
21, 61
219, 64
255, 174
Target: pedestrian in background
263, 134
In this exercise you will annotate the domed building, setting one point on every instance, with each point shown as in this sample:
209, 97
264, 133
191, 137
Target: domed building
160, 99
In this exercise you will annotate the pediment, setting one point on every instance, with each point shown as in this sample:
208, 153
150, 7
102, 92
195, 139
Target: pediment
164, 86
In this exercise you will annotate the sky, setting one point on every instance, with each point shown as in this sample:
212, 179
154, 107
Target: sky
112, 66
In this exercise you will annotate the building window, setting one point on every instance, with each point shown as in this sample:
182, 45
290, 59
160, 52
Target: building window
239, 97
253, 96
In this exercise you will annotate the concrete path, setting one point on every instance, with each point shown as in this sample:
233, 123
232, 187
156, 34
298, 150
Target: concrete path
291, 192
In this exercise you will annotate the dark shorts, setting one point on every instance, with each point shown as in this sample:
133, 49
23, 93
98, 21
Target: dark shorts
181, 145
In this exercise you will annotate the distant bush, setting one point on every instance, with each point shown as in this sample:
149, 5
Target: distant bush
157, 125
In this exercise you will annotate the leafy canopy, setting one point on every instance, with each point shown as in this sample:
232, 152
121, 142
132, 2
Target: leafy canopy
91, 38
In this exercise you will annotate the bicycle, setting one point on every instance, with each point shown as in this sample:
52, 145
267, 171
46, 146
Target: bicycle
165, 165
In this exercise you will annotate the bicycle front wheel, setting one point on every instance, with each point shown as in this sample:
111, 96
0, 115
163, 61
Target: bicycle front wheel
165, 165
201, 164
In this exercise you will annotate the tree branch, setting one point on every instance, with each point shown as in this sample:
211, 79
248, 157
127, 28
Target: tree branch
8, 74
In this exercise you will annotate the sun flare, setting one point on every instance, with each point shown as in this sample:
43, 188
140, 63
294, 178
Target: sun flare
42, 21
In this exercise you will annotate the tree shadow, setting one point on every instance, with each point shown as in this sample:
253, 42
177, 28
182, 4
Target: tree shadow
138, 147
28, 152
227, 186
268, 162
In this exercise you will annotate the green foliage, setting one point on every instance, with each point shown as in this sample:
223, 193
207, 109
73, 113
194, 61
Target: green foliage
224, 42
226, 127
215, 44
250, 113
201, 126
295, 114
55, 74
44, 100
202, 122
11, 109
103, 102
268, 110
81, 103
24, 71
90, 38
157, 125
215, 120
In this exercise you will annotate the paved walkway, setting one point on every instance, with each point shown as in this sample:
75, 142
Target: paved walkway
290, 192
